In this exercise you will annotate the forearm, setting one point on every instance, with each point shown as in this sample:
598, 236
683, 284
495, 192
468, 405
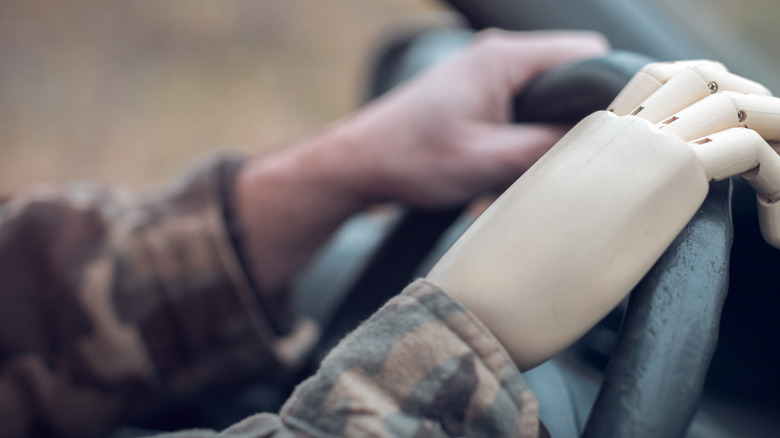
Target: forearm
290, 202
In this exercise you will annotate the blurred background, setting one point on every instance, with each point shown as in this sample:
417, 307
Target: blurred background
129, 92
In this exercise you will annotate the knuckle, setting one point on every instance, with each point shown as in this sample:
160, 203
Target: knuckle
490, 37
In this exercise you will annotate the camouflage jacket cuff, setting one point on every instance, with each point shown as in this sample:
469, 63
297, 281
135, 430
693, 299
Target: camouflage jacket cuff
423, 365
112, 298
213, 323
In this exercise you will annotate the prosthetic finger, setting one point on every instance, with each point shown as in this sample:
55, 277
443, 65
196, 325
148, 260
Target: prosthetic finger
649, 79
743, 151
690, 86
722, 111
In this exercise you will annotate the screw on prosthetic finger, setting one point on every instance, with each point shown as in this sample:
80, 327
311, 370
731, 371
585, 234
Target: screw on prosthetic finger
690, 86
725, 110
649, 79
712, 114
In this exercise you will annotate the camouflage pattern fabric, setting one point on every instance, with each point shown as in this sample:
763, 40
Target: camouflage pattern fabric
111, 301
422, 366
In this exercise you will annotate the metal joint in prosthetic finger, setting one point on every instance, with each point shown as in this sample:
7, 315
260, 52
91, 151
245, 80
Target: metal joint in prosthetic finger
725, 118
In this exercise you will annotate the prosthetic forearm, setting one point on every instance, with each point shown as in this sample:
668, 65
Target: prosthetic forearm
570, 238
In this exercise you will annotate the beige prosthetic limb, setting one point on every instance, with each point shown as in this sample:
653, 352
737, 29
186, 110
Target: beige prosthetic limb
569, 239
661, 89
564, 244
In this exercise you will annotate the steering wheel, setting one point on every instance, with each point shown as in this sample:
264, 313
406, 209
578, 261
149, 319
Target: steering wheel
656, 372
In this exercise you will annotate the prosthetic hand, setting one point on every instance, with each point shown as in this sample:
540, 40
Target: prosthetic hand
568, 240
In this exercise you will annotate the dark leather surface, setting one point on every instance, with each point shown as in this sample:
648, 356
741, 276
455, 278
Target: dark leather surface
655, 376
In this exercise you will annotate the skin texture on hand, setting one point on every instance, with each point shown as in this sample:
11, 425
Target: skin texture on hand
446, 136
437, 141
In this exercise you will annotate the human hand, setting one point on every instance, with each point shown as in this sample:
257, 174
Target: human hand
562, 246
446, 136
438, 140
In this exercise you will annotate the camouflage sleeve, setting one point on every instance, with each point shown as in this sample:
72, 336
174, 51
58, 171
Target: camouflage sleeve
109, 300
422, 366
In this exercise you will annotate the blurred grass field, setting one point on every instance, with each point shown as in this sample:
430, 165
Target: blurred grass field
129, 92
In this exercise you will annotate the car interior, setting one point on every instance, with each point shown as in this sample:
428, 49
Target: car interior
695, 349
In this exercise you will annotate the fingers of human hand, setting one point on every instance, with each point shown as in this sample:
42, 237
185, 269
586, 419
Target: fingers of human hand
691, 85
521, 55
743, 151
725, 110
649, 79
510, 150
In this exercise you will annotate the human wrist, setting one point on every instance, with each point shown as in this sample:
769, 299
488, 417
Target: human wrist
384, 151
289, 202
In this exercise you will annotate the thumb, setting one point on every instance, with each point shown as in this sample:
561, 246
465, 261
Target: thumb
513, 149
